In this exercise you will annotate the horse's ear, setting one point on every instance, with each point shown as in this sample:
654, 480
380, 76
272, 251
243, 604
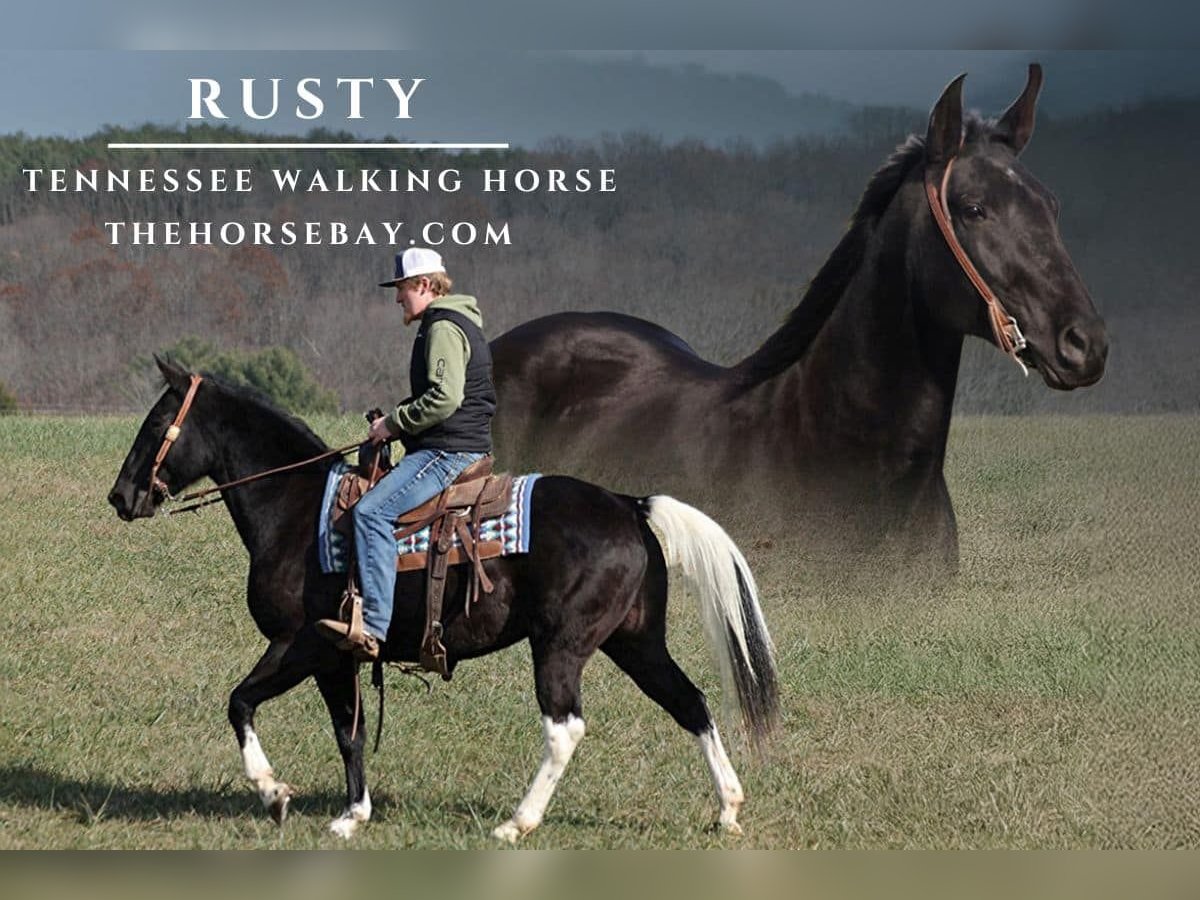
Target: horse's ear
1016, 125
178, 378
944, 136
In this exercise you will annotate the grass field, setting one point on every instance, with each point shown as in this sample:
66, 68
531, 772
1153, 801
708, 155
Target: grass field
1048, 697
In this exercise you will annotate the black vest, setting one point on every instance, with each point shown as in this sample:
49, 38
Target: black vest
469, 429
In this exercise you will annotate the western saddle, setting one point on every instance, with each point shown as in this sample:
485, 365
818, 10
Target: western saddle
476, 494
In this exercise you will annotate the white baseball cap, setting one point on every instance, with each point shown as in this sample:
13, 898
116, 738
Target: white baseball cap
413, 262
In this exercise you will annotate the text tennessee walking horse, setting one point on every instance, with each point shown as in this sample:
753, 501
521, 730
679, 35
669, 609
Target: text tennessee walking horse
594, 577
840, 418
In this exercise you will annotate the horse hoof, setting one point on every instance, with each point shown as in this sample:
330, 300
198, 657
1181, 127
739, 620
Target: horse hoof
344, 827
510, 832
278, 806
731, 828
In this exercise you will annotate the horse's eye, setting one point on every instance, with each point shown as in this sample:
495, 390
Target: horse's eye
974, 212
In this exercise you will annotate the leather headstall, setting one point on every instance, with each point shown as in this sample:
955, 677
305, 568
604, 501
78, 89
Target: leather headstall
172, 435
1004, 327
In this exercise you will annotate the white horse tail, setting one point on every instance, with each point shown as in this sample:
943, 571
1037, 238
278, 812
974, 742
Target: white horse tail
733, 621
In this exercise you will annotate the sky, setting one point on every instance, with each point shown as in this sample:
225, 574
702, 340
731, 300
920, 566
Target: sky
526, 97
470, 26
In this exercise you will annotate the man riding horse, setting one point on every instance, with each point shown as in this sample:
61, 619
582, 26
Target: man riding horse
444, 427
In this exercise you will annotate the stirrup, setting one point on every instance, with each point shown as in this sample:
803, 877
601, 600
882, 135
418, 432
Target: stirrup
433, 652
350, 612
367, 650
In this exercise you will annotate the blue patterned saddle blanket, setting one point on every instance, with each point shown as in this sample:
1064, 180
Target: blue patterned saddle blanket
510, 530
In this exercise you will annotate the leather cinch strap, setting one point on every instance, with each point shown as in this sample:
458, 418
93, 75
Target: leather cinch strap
1004, 327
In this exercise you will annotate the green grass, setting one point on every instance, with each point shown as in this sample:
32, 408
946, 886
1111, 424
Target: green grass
1048, 697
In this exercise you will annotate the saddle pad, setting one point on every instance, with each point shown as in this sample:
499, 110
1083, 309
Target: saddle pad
511, 529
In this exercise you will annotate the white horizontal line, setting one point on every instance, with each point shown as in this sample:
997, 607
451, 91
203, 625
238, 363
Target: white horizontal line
307, 146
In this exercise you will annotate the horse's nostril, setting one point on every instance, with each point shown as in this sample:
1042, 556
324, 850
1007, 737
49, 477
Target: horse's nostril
1076, 338
1073, 346
116, 500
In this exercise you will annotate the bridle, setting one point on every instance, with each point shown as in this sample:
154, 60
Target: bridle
159, 487
1004, 327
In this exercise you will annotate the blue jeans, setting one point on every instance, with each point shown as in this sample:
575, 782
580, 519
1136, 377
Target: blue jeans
419, 476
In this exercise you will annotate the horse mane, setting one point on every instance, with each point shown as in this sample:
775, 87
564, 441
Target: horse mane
279, 428
796, 334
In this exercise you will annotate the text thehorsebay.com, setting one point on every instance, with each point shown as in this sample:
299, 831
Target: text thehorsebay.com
313, 182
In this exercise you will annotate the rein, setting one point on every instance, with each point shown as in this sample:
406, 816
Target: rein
157, 485
196, 495
1004, 327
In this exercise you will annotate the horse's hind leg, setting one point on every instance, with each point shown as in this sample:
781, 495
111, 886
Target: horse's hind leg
282, 667
556, 675
644, 658
338, 689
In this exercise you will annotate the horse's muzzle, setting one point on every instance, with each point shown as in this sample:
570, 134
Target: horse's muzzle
1081, 351
130, 508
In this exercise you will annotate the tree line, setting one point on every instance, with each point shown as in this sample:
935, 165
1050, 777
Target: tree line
714, 242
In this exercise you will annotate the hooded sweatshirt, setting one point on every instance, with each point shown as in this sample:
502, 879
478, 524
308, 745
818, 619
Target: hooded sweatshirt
451, 378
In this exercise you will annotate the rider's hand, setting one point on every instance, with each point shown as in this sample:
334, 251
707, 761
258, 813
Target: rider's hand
379, 431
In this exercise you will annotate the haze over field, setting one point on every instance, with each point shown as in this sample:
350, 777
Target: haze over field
788, 145
77, 312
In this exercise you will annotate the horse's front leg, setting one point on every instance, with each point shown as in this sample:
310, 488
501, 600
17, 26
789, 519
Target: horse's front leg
921, 529
338, 689
286, 663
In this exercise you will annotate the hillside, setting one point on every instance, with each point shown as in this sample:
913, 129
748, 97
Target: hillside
75, 310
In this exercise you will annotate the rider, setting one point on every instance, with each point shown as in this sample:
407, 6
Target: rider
445, 426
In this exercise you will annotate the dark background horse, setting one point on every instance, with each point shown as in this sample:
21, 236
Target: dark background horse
838, 423
595, 578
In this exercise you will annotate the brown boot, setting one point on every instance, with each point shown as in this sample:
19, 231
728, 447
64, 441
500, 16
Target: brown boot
363, 645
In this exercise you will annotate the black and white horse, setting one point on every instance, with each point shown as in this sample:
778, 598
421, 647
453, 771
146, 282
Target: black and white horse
595, 577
